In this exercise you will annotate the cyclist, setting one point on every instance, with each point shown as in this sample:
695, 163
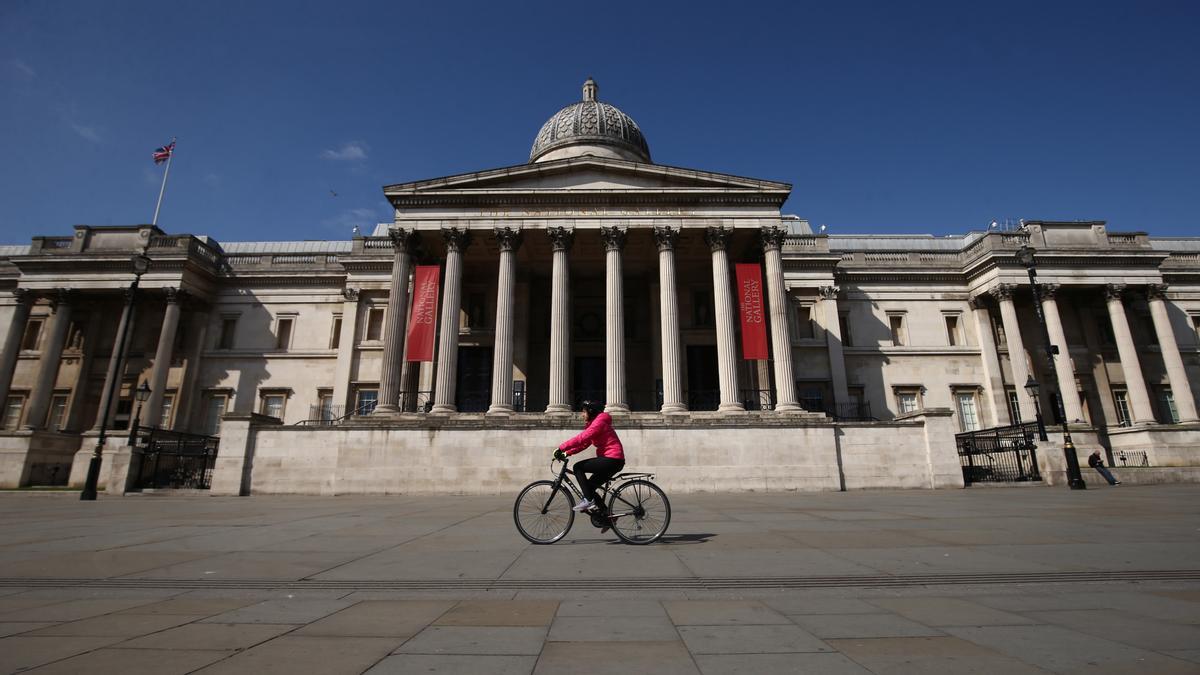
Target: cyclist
610, 455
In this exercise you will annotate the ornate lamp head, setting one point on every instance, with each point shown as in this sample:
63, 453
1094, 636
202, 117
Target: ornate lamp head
1025, 256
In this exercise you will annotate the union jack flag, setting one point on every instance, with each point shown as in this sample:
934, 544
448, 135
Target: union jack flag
164, 153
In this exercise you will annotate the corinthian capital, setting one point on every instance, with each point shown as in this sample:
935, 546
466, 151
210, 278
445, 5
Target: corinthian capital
717, 238
614, 238
24, 296
1114, 291
457, 238
1049, 291
350, 294
1156, 291
508, 238
561, 238
1003, 291
772, 238
666, 238
828, 292
402, 239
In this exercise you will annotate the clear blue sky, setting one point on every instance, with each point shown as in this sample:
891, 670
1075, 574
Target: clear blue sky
885, 117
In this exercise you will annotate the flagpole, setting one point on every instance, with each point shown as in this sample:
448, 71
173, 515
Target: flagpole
163, 189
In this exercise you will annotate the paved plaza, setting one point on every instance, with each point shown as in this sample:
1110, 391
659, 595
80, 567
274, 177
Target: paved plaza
1014, 580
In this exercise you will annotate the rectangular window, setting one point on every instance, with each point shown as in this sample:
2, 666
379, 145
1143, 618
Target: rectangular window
228, 330
14, 405
844, 325
1014, 405
58, 412
804, 322
335, 339
1121, 398
283, 332
33, 332
953, 336
1105, 329
324, 405
702, 316
908, 399
998, 334
272, 404
968, 415
474, 311
1166, 404
896, 324
374, 324
365, 403
213, 411
168, 406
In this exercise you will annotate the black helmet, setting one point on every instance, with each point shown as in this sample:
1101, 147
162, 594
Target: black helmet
593, 408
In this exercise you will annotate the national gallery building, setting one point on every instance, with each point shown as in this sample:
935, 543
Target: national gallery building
737, 349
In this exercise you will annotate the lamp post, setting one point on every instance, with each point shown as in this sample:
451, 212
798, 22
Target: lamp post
141, 263
141, 395
1031, 386
1074, 477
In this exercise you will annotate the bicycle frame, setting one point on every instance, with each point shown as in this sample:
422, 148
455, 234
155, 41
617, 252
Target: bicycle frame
601, 491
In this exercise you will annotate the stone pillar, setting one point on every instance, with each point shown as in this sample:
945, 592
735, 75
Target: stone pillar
393, 329
614, 321
668, 307
781, 338
151, 412
1064, 370
1016, 349
52, 347
560, 321
116, 363
12, 340
717, 238
345, 354
1181, 390
997, 399
457, 241
1139, 399
833, 340
502, 349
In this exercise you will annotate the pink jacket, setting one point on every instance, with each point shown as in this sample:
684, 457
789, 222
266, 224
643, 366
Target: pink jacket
599, 433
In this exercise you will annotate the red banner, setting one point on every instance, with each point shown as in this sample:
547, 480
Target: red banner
418, 345
750, 301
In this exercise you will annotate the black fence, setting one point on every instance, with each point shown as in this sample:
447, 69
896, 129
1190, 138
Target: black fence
1131, 458
1000, 454
172, 459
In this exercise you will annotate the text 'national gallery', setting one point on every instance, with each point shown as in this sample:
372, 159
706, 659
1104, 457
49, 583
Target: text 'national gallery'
737, 349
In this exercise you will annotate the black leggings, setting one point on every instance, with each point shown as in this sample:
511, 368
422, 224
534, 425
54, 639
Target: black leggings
601, 468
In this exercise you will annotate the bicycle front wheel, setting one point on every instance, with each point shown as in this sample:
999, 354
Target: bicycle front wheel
543, 513
639, 511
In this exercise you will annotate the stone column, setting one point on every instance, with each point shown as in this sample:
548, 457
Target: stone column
668, 307
502, 349
1064, 370
151, 412
116, 363
12, 340
781, 338
717, 238
52, 347
1016, 349
997, 399
345, 354
1181, 390
1139, 399
833, 340
560, 321
614, 321
457, 241
393, 329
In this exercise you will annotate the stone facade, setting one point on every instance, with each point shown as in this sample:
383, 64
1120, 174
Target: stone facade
594, 274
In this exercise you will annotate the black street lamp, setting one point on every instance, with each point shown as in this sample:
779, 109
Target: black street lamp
141, 263
1031, 386
141, 395
1074, 477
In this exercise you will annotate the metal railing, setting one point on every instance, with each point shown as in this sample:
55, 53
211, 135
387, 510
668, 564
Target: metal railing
1000, 454
1131, 458
172, 459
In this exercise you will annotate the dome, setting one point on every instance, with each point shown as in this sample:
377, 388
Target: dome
590, 127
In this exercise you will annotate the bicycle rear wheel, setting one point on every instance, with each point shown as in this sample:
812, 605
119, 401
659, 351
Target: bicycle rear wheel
542, 513
639, 511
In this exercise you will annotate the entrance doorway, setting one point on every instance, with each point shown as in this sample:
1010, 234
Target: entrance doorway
473, 389
590, 380
703, 385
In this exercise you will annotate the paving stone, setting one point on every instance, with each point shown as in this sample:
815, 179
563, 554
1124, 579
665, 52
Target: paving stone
476, 640
612, 629
922, 655
778, 664
250, 565
454, 664
190, 605
16, 628
94, 564
616, 658
298, 610
292, 654
1042, 602
722, 612
73, 610
134, 662
118, 625
1059, 649
1129, 629
500, 613
862, 626
1153, 605
611, 608
380, 618
21, 653
790, 604
750, 640
219, 636
948, 612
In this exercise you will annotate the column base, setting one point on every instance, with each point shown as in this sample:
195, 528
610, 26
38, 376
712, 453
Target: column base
443, 409
619, 408
559, 409
674, 409
789, 408
731, 408
501, 410
386, 409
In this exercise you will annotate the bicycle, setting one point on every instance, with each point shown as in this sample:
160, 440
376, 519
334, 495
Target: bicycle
636, 510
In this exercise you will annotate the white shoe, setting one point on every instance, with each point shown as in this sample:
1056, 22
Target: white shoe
582, 506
